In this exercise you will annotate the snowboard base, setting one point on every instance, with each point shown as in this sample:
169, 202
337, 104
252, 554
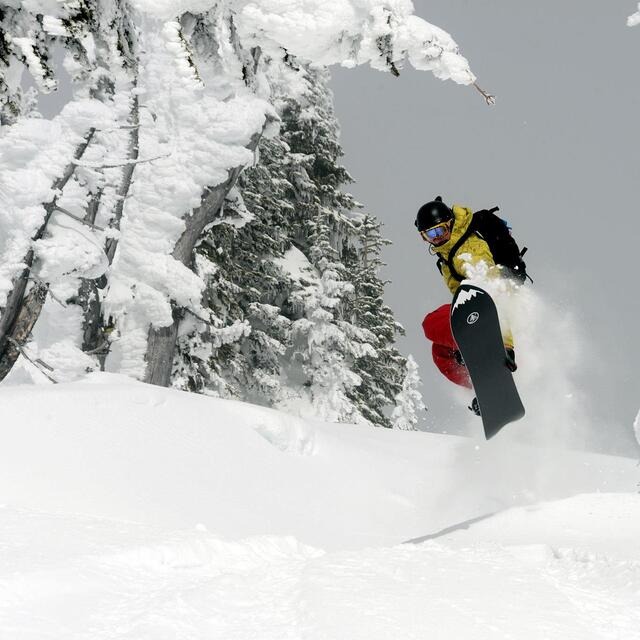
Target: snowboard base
476, 329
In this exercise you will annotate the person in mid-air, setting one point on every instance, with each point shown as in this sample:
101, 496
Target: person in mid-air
462, 239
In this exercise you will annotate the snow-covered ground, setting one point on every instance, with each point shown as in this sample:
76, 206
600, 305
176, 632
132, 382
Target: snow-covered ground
131, 511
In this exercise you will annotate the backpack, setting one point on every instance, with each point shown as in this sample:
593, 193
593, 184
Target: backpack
497, 234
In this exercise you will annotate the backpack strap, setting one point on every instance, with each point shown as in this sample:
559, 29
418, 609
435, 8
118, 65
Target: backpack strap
454, 250
471, 229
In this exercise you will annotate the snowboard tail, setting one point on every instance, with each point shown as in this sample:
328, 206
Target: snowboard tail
476, 329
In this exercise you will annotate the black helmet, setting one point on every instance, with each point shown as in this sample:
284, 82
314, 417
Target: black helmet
432, 214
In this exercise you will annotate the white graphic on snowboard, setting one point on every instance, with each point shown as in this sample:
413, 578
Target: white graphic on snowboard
466, 295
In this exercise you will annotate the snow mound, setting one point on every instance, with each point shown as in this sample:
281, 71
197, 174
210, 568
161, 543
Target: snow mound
189, 551
605, 523
114, 448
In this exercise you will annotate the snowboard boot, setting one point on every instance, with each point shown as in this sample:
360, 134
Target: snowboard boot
511, 359
475, 407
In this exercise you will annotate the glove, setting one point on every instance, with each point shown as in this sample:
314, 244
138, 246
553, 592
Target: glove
519, 272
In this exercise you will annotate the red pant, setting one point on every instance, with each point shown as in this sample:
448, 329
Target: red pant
437, 328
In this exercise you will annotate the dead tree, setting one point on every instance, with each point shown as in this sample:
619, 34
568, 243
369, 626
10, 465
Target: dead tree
23, 308
94, 340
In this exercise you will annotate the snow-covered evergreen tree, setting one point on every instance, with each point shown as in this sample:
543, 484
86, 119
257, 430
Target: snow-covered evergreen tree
24, 43
381, 368
323, 339
409, 401
327, 343
326, 337
246, 291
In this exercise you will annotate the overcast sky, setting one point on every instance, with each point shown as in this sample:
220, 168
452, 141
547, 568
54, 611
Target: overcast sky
558, 153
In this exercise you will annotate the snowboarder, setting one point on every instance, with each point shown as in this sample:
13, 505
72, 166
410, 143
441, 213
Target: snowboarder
462, 239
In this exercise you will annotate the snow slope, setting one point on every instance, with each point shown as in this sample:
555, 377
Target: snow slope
131, 511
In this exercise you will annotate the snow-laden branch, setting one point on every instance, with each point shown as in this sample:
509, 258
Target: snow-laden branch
78, 218
39, 364
634, 19
118, 164
328, 32
349, 33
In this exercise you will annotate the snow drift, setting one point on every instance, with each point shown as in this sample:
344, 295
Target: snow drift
110, 447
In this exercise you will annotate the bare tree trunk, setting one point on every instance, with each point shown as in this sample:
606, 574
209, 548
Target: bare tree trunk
205, 214
127, 174
22, 311
89, 299
161, 342
93, 337
28, 313
161, 345
88, 296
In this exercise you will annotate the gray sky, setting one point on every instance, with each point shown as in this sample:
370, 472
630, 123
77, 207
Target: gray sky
558, 153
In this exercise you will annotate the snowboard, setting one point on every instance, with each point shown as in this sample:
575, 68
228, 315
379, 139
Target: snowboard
476, 329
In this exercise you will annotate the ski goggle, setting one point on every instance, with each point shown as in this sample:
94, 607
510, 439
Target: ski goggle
439, 231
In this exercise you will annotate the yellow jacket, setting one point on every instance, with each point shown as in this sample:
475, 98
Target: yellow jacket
473, 250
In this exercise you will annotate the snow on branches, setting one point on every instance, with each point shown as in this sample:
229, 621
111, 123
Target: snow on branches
326, 32
346, 32
409, 401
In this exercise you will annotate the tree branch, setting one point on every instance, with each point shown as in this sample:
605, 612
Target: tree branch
37, 363
119, 165
89, 294
79, 219
124, 127
489, 99
127, 176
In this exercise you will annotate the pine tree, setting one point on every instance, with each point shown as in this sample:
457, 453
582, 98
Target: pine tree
246, 290
381, 368
327, 342
323, 340
24, 43
409, 401
274, 336
98, 36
